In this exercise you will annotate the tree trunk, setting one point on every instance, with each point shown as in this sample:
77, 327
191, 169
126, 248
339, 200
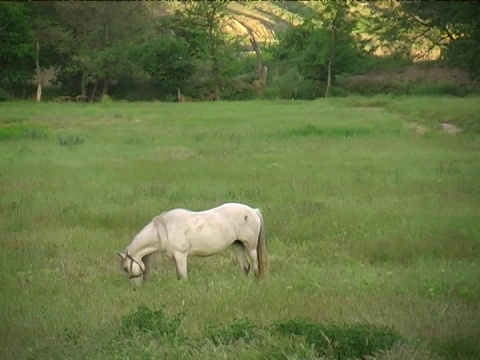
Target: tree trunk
84, 86
329, 77
94, 89
258, 54
180, 97
105, 87
261, 81
216, 78
331, 59
39, 78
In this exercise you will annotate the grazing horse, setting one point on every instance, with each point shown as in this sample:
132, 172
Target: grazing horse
179, 233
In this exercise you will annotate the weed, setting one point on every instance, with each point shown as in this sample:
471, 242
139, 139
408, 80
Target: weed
312, 130
156, 322
70, 140
341, 342
243, 329
34, 134
18, 132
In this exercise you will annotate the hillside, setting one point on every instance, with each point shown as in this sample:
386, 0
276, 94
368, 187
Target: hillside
265, 18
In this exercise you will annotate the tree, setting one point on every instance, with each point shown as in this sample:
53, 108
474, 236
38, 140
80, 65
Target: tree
100, 35
203, 20
414, 29
339, 42
322, 46
458, 24
16, 51
49, 39
167, 59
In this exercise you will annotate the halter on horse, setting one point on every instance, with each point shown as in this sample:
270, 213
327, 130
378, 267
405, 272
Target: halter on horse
130, 272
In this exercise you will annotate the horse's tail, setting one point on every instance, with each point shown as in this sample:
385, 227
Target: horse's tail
262, 254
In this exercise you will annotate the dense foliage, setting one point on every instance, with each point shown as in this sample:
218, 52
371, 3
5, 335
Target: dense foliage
144, 51
16, 39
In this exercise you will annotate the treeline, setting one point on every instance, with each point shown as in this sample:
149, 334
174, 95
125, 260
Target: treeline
145, 51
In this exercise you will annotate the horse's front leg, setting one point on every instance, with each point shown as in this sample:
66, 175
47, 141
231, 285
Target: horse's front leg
180, 265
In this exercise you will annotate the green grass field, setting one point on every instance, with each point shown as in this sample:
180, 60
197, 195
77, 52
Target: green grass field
373, 229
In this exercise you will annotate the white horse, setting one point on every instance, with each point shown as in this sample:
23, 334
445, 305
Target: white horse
179, 233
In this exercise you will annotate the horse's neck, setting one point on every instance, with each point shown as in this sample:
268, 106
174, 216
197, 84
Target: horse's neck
144, 243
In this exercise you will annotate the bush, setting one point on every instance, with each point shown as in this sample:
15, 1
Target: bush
293, 86
4, 95
437, 89
106, 99
137, 89
371, 63
374, 87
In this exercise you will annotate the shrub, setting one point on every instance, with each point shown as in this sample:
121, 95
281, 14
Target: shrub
292, 86
4, 95
106, 99
437, 89
375, 87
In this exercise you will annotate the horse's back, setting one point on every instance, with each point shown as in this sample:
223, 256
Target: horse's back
244, 219
212, 231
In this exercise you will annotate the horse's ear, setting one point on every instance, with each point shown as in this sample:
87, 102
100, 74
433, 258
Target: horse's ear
122, 255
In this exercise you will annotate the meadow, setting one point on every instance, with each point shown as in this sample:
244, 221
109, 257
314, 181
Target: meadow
373, 229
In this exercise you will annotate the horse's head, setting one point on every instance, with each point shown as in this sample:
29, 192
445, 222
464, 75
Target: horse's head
135, 269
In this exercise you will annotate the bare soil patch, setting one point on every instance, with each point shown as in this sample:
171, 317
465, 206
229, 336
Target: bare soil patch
450, 128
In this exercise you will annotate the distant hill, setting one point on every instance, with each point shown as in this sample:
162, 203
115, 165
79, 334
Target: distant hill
265, 18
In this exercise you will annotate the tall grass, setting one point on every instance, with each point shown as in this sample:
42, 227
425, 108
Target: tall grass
370, 225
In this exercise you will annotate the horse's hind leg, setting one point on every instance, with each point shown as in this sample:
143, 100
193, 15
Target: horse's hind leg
180, 265
254, 259
239, 250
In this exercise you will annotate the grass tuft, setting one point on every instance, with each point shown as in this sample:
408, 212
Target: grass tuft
312, 130
241, 329
340, 342
70, 140
19, 132
156, 322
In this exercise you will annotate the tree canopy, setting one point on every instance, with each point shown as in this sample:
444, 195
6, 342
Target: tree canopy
16, 39
97, 48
